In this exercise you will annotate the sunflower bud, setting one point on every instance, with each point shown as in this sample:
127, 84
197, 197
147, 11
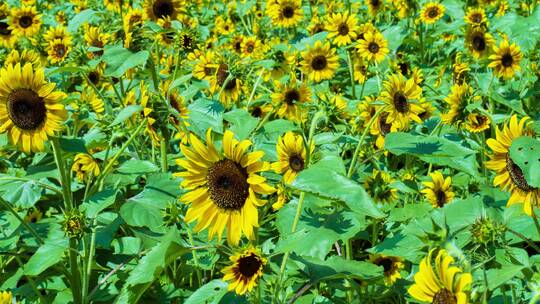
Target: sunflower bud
74, 225
485, 231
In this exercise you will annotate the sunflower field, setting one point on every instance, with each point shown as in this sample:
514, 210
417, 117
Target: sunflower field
276, 151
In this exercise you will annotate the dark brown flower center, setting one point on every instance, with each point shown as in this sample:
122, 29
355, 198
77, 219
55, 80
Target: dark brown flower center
287, 11
26, 109
25, 21
256, 112
230, 85
373, 47
222, 73
476, 18
60, 50
163, 8
441, 197
250, 47
404, 68
516, 175
248, 266
384, 127
94, 77
343, 29
227, 184
319, 63
296, 162
400, 102
444, 296
375, 3
4, 29
433, 12
507, 60
479, 43
291, 96
386, 263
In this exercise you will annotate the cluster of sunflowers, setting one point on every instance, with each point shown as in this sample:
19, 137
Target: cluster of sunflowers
276, 151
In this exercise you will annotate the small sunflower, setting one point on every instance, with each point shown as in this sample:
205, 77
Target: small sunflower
431, 12
398, 95
25, 21
479, 42
85, 166
440, 284
360, 70
505, 60
204, 67
320, 62
374, 6
285, 13
439, 190
223, 187
30, 109
246, 269
342, 27
476, 17
251, 46
59, 32
58, 50
378, 187
289, 100
457, 100
32, 216
7, 37
391, 265
373, 47
316, 25
159, 9
291, 156
94, 38
283, 196
477, 122
6, 297
380, 129
509, 176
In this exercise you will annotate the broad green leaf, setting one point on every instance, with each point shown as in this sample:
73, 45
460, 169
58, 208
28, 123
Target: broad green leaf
99, 202
432, 149
75, 145
47, 255
126, 113
136, 166
119, 60
82, 17
409, 211
525, 153
336, 267
210, 293
23, 194
242, 123
313, 243
178, 81
331, 184
205, 114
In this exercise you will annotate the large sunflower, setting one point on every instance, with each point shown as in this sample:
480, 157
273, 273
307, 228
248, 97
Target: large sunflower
246, 269
7, 37
25, 21
289, 100
30, 109
391, 266
431, 12
440, 284
342, 27
438, 191
509, 175
320, 62
285, 13
505, 60
373, 46
159, 9
223, 187
291, 156
398, 95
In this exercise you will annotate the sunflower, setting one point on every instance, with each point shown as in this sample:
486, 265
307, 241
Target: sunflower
460, 71
58, 50
30, 109
92, 102
342, 27
477, 122
316, 25
230, 91
285, 13
439, 190
94, 38
25, 21
283, 196
223, 187
167, 36
476, 17
320, 62
440, 284
59, 32
378, 187
479, 42
374, 6
246, 269
204, 67
148, 112
360, 70
6, 297
251, 46
291, 156
85, 166
397, 95
373, 47
391, 265
7, 37
224, 26
32, 216
289, 100
457, 101
431, 12
509, 176
381, 128
22, 58
505, 60
159, 9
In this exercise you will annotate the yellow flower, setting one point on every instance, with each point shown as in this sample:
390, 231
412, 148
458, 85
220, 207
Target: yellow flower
505, 60
391, 266
378, 187
342, 27
96, 39
24, 21
285, 13
398, 95
22, 58
30, 109
479, 42
290, 99
245, 270
58, 50
320, 62
477, 122
374, 6
7, 37
282, 197
291, 156
85, 166
509, 176
223, 187
159, 9
457, 101
440, 284
32, 216
6, 297
431, 12
373, 47
476, 17
439, 190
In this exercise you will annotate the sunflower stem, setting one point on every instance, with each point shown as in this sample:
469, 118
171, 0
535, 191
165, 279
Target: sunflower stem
351, 72
89, 257
64, 179
255, 88
195, 257
163, 149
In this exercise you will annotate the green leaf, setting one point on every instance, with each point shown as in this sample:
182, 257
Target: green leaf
313, 243
47, 255
119, 60
337, 267
82, 17
99, 202
75, 145
178, 81
432, 149
24, 195
126, 113
331, 184
210, 293
136, 166
242, 123
204, 114
525, 153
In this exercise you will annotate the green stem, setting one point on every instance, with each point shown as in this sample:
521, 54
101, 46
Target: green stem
64, 178
351, 73
525, 239
31, 282
255, 88
163, 148
359, 145
89, 257
195, 257
152, 67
